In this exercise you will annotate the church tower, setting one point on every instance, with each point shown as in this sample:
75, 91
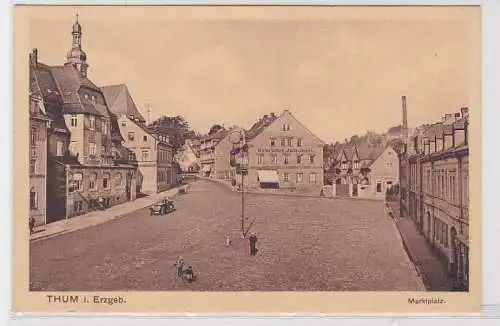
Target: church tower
76, 56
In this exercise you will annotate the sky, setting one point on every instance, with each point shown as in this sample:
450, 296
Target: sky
340, 73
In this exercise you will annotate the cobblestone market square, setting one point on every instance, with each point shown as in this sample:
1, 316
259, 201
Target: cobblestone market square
304, 244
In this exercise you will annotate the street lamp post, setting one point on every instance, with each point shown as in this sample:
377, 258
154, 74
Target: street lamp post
238, 137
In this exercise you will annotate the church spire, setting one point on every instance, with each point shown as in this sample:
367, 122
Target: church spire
76, 56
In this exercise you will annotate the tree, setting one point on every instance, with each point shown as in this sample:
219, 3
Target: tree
176, 128
215, 128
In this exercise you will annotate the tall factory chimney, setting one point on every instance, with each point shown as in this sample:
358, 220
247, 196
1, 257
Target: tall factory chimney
405, 121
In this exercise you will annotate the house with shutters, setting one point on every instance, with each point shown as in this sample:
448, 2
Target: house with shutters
87, 166
150, 149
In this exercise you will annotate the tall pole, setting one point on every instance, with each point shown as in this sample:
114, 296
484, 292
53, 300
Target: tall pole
242, 196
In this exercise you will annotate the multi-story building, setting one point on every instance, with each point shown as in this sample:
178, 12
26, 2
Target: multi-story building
38, 123
150, 149
86, 166
366, 171
438, 191
283, 154
214, 155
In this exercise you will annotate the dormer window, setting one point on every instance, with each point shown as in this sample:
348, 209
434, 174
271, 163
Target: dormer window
86, 96
93, 99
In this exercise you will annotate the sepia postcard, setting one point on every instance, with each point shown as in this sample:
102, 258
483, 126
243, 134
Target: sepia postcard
247, 159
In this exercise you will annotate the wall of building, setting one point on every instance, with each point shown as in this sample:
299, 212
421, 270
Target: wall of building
221, 159
302, 143
38, 171
56, 191
384, 172
141, 142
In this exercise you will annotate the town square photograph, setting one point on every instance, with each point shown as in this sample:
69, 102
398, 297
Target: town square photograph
189, 149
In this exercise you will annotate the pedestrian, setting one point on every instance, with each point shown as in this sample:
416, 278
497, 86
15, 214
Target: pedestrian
180, 265
253, 244
322, 193
228, 240
188, 274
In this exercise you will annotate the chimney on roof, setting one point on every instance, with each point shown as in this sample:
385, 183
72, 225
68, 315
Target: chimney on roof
34, 57
465, 112
448, 116
457, 116
405, 121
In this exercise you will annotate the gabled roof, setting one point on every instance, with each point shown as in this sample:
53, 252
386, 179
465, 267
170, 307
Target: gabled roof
69, 81
44, 85
120, 102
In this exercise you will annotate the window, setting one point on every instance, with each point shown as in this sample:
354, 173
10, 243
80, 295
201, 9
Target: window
33, 136
131, 156
344, 164
78, 206
74, 120
86, 96
299, 142
356, 164
105, 181
300, 177
299, 159
145, 155
33, 198
273, 142
389, 184
93, 99
260, 159
289, 141
379, 186
274, 159
283, 142
285, 159
32, 165
104, 127
77, 182
131, 135
145, 138
92, 181
285, 177
388, 164
103, 149
72, 148
92, 122
124, 123
118, 179
312, 177
284, 127
92, 149
311, 159
59, 148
